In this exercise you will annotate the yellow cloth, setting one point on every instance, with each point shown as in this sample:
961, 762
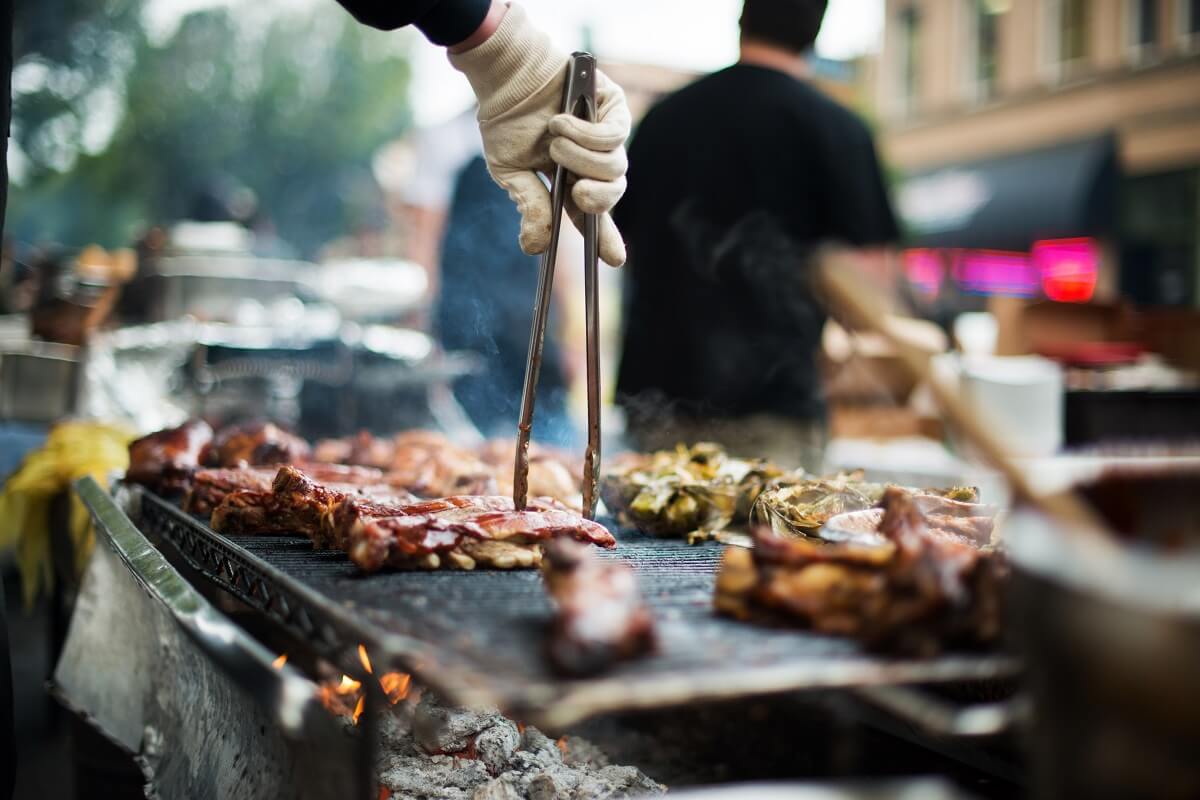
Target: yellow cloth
72, 450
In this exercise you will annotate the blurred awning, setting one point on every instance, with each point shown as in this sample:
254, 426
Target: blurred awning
1008, 203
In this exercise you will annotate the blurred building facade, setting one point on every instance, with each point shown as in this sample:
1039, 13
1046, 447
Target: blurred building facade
1047, 147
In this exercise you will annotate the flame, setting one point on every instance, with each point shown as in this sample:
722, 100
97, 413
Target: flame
348, 685
561, 744
385, 793
362, 656
520, 726
279, 662
395, 685
358, 708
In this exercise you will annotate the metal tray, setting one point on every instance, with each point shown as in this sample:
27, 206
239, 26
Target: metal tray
477, 637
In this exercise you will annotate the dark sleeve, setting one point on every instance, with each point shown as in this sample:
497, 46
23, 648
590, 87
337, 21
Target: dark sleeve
444, 22
861, 213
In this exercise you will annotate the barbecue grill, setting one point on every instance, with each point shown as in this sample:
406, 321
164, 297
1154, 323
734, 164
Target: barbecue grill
476, 637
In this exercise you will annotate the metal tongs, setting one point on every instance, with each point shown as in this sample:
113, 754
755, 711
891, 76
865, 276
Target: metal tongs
579, 98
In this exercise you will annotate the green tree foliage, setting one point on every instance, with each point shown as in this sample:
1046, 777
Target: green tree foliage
292, 106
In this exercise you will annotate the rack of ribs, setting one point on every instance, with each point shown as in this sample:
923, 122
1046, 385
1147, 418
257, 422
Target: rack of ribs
210, 487
296, 503
166, 460
463, 532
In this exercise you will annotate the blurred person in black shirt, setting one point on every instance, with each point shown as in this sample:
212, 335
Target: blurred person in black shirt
733, 182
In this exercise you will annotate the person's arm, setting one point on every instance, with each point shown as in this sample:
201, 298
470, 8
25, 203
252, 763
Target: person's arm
517, 76
444, 22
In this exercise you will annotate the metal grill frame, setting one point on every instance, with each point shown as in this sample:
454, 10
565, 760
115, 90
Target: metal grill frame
334, 632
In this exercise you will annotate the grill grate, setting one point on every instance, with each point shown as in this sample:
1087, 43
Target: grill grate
477, 636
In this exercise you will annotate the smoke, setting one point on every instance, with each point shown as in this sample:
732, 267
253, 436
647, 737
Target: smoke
485, 306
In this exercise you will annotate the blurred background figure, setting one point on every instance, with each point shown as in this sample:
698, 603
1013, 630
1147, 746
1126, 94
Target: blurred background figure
438, 153
484, 306
733, 181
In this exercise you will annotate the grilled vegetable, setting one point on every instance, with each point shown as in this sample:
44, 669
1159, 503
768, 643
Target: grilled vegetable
684, 491
800, 509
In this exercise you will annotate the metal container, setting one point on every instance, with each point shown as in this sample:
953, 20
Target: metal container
226, 288
38, 380
1110, 631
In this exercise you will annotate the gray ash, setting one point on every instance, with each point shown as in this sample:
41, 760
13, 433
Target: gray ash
435, 751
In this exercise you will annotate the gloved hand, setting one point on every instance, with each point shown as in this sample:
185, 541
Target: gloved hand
518, 77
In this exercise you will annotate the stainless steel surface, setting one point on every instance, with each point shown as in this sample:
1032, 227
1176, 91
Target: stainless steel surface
39, 381
231, 288
1111, 634
942, 718
579, 98
477, 637
159, 671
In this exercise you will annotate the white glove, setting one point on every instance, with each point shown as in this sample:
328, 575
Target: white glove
518, 77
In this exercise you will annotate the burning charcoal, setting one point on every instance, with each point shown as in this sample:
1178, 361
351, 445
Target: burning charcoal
498, 789
552, 785
461, 754
444, 729
618, 781
536, 742
601, 617
494, 746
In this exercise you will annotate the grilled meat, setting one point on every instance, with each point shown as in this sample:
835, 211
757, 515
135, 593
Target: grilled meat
601, 617
211, 486
430, 466
256, 444
296, 504
166, 460
461, 532
913, 589
362, 449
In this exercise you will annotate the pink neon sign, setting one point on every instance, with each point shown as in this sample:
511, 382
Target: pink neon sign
1068, 268
996, 272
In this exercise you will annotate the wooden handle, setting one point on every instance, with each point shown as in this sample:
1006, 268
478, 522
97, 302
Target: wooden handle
863, 307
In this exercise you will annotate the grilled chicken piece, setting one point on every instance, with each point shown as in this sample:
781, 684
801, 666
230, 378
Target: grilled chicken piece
432, 467
166, 460
552, 473
211, 486
362, 449
914, 589
439, 532
296, 504
256, 444
601, 617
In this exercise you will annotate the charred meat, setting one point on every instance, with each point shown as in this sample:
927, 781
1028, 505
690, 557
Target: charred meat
256, 444
913, 589
211, 486
297, 504
465, 532
433, 467
166, 460
601, 617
